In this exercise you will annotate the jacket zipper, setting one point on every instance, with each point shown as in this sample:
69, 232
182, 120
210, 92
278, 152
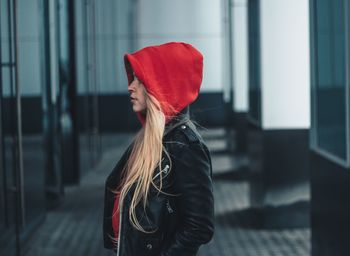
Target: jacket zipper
165, 169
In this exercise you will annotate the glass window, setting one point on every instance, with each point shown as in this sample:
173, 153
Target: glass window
330, 77
21, 140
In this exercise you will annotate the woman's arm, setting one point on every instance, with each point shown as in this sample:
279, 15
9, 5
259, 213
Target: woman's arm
192, 179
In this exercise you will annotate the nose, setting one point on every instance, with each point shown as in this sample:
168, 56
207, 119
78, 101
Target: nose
131, 87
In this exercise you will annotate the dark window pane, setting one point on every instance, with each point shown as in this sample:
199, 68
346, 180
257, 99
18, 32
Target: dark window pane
330, 77
254, 60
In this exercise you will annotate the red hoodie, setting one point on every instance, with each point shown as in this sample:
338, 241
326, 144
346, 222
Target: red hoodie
172, 73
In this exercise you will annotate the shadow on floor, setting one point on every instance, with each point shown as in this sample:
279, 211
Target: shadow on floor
240, 174
264, 218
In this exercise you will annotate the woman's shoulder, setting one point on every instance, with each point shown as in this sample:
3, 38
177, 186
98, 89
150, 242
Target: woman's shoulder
184, 134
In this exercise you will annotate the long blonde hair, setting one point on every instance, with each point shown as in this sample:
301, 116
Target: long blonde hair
145, 156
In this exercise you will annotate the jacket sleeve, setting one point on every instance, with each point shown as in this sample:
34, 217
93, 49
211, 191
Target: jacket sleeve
193, 180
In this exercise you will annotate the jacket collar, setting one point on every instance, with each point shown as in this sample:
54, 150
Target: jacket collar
182, 117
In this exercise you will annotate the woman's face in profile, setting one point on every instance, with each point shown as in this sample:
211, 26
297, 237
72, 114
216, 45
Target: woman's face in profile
137, 95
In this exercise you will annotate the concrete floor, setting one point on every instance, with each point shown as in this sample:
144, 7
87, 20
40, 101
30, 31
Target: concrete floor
75, 227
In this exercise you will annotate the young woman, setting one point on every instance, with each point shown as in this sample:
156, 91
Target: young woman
159, 196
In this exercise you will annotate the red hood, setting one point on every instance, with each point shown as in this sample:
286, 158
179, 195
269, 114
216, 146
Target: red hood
171, 72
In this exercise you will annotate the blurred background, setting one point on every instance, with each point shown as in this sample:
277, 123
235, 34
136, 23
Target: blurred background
273, 109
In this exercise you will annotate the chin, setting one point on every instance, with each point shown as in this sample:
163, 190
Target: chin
136, 109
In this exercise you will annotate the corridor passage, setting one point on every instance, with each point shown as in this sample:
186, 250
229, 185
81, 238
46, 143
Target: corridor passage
75, 228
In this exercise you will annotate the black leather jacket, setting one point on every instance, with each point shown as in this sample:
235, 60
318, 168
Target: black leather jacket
183, 222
